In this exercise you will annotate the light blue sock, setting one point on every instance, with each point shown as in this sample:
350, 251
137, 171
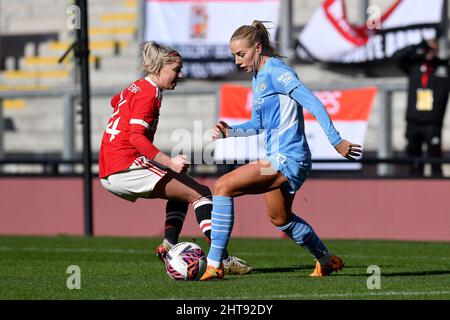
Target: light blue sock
222, 220
303, 234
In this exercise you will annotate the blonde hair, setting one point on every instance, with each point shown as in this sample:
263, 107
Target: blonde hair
254, 33
154, 56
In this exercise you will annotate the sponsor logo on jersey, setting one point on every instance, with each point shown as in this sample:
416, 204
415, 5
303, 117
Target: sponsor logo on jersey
285, 78
134, 88
259, 101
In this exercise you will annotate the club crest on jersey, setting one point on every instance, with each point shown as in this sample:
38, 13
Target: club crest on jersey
262, 87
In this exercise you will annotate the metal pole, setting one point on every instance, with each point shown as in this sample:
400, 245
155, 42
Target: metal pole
83, 61
2, 131
362, 20
69, 132
141, 12
385, 138
286, 30
443, 40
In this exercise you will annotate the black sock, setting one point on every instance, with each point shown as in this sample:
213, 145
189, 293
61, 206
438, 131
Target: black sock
175, 214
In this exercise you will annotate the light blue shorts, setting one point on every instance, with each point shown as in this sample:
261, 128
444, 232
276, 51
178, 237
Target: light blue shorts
295, 171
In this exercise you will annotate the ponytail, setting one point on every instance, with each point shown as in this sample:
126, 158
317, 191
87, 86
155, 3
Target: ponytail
254, 33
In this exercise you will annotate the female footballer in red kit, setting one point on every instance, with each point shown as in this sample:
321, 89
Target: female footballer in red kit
132, 167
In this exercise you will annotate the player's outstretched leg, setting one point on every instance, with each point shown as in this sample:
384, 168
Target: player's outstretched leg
222, 216
175, 215
303, 234
232, 265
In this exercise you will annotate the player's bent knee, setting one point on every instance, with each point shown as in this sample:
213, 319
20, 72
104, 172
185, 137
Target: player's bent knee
223, 187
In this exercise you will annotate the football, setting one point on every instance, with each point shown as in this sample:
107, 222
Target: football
186, 261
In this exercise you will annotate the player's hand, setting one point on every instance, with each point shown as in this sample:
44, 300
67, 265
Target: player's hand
179, 164
219, 131
348, 150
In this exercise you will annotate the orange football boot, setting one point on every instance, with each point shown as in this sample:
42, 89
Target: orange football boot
334, 265
213, 273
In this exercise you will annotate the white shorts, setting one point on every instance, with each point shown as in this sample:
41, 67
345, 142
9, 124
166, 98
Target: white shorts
137, 182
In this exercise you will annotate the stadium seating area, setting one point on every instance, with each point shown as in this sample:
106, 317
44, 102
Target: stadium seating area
37, 123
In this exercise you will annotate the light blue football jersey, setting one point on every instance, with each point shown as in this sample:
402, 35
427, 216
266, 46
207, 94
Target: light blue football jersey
278, 101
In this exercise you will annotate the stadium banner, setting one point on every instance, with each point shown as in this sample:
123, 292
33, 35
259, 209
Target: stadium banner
201, 30
329, 37
349, 110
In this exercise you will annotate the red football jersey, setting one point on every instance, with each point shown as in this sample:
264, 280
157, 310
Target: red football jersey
131, 128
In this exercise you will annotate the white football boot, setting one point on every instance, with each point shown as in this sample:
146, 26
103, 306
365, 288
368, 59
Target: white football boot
234, 265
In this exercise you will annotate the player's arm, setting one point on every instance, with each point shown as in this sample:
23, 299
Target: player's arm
178, 164
115, 100
140, 122
140, 141
249, 128
287, 82
308, 100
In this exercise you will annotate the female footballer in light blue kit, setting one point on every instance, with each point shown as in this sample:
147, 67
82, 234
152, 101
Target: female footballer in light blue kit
278, 101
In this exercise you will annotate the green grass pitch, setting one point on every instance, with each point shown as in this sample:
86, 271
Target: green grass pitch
126, 268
